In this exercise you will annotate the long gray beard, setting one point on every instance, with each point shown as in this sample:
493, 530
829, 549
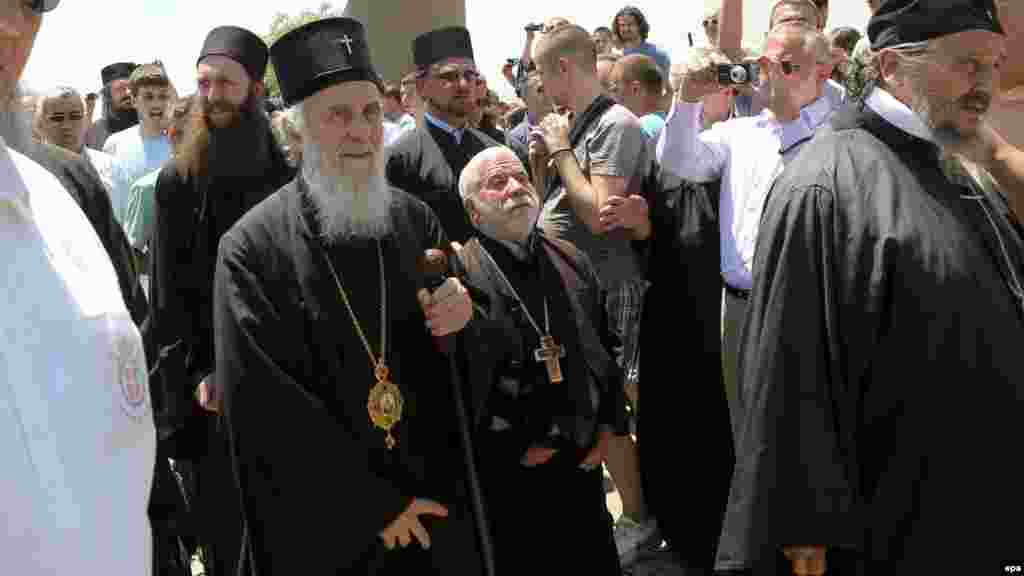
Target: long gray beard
16, 124
348, 205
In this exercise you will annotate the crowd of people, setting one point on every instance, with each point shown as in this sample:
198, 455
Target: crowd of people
812, 248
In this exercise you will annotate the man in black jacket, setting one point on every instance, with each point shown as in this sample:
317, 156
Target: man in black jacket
228, 164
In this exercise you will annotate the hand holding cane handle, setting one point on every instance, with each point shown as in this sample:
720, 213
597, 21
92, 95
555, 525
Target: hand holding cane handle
433, 264
806, 560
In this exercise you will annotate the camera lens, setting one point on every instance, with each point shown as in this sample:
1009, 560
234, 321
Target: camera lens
738, 74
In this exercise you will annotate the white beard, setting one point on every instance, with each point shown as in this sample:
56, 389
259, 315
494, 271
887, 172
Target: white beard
348, 205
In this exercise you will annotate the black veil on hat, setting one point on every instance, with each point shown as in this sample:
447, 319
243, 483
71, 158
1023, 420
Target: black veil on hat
908, 21
117, 71
240, 45
441, 44
321, 54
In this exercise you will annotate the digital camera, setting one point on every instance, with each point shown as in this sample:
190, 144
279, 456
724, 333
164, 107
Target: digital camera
738, 74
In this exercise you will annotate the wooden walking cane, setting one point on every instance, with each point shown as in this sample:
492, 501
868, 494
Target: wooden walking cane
434, 266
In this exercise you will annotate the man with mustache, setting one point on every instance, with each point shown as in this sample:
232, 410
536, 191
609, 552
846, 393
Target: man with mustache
227, 164
60, 121
118, 112
320, 309
144, 148
882, 344
547, 390
427, 161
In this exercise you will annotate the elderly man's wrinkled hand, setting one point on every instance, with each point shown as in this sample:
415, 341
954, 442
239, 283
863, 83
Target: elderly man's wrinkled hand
448, 309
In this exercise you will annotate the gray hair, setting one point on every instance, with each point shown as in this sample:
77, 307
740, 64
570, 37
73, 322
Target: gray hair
913, 52
296, 117
16, 123
812, 40
471, 179
53, 94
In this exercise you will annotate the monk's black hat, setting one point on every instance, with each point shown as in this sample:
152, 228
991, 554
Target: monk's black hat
441, 44
240, 45
907, 21
321, 54
116, 71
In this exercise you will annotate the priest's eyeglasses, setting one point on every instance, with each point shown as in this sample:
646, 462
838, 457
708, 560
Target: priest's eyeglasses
453, 76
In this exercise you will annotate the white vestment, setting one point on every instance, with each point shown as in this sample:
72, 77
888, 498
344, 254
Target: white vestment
77, 440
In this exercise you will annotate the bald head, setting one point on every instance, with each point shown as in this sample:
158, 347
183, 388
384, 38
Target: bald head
569, 42
476, 169
497, 195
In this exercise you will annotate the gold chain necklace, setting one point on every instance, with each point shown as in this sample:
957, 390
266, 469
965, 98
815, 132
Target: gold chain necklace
385, 403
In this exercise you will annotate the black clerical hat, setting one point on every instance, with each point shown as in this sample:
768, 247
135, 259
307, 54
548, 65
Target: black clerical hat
441, 44
321, 54
116, 71
240, 45
906, 21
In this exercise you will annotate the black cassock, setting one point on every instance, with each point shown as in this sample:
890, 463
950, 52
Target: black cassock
551, 517
684, 433
81, 180
426, 162
881, 364
190, 215
318, 484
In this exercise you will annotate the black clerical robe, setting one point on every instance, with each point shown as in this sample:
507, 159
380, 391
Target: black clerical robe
80, 179
881, 363
557, 511
426, 162
685, 424
296, 377
189, 218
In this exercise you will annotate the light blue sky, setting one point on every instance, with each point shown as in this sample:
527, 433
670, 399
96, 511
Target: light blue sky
79, 37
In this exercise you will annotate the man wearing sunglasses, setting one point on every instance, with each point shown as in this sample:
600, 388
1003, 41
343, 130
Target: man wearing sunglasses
76, 424
427, 161
746, 154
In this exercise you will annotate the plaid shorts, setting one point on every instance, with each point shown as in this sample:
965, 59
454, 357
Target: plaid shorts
625, 305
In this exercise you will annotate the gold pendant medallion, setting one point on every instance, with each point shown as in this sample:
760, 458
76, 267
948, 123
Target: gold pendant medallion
385, 404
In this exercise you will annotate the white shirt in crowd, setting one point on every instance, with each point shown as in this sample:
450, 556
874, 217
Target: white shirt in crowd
104, 165
76, 426
747, 154
135, 156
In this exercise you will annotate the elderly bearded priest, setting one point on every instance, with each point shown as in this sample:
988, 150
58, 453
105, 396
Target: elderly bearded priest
319, 312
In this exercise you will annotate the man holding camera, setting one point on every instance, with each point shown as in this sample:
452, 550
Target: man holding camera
747, 153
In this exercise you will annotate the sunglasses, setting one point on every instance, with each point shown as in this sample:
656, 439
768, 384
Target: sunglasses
452, 76
41, 6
